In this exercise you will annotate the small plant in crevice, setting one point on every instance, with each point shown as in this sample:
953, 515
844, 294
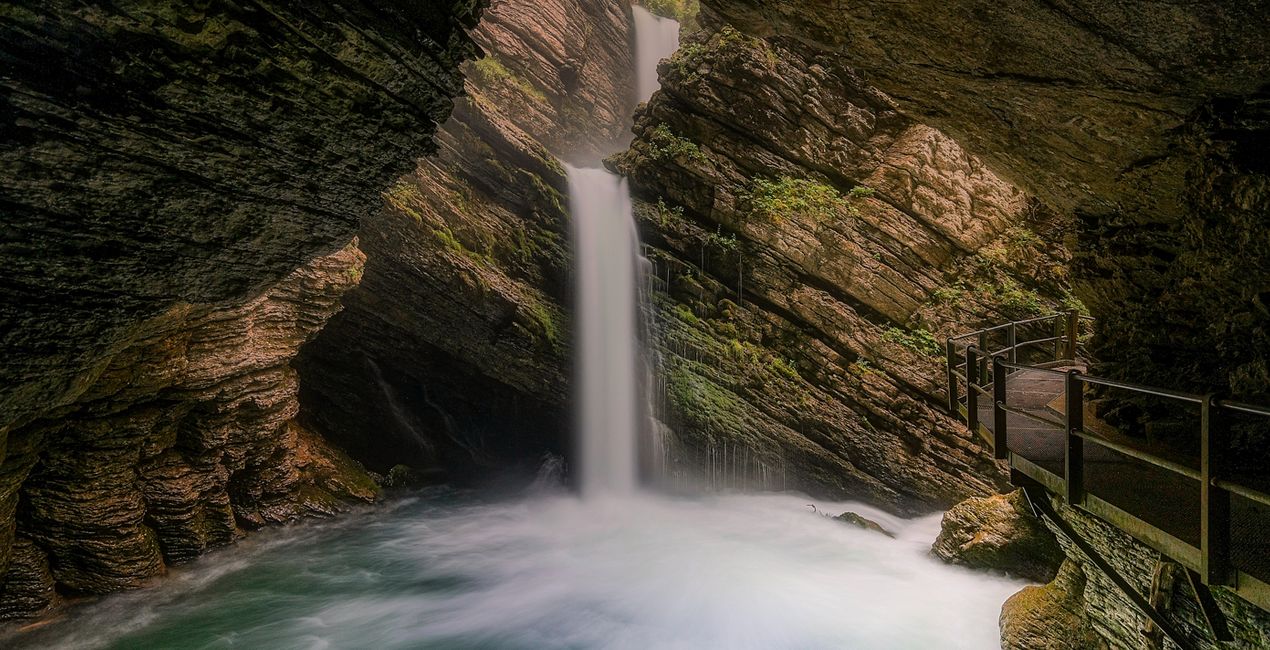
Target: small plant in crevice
920, 340
786, 197
665, 146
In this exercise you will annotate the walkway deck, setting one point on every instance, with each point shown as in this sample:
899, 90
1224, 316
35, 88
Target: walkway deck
1196, 510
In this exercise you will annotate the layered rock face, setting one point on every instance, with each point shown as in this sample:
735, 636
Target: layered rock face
181, 187
1096, 604
1148, 120
452, 355
159, 156
184, 442
812, 248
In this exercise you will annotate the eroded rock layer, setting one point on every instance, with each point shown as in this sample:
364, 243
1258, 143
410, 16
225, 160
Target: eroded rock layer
181, 186
452, 355
157, 155
184, 442
1148, 119
812, 248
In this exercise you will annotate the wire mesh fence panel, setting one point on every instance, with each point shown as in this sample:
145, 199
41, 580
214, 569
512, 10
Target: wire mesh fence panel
1158, 496
1250, 537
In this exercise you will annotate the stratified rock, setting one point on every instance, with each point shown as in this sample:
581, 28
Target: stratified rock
182, 186
1148, 120
185, 440
161, 155
1050, 617
859, 521
27, 587
453, 354
812, 248
999, 533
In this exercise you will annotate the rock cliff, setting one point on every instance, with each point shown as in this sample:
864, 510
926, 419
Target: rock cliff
1147, 120
453, 353
813, 247
181, 190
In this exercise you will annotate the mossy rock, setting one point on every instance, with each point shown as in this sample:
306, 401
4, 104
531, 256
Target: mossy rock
1050, 617
863, 522
999, 533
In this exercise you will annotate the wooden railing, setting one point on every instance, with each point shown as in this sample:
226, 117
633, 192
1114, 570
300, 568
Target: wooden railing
1056, 351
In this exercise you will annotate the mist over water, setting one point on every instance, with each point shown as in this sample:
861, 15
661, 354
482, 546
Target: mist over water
553, 571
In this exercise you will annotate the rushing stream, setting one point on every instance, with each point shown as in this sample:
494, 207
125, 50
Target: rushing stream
444, 570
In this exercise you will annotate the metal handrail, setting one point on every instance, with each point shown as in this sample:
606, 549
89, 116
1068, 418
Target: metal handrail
1138, 454
1215, 488
1139, 388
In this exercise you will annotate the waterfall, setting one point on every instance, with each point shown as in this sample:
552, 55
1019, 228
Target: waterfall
611, 408
655, 39
606, 248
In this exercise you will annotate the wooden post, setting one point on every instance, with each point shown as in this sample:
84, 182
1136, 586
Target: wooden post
972, 380
951, 360
1214, 527
1074, 460
1058, 342
1000, 448
1073, 332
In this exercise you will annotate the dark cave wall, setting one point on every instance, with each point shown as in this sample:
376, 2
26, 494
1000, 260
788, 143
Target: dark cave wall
181, 186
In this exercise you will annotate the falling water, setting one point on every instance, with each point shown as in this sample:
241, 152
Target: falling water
655, 39
606, 247
611, 409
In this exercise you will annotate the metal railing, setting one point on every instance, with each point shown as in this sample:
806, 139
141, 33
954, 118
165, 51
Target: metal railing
973, 362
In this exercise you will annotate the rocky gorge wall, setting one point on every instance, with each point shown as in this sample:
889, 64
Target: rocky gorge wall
806, 348
1146, 120
181, 188
813, 247
453, 354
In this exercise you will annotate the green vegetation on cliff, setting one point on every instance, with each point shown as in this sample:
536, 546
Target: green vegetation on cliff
785, 197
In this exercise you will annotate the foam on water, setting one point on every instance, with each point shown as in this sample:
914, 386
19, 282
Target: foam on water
560, 572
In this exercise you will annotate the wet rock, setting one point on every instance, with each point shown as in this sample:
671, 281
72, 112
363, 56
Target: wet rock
1140, 119
1050, 617
452, 356
999, 533
859, 521
27, 587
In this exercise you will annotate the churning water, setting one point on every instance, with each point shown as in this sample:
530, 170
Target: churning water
553, 571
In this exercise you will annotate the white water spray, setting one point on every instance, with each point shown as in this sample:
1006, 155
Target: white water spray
608, 268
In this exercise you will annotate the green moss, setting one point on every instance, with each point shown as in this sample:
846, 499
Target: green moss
920, 340
784, 368
668, 216
545, 322
683, 313
725, 243
665, 146
788, 197
683, 11
491, 71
